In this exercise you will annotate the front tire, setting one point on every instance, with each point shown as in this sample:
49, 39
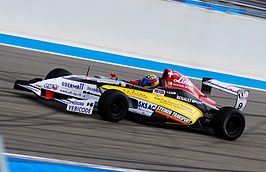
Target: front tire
113, 105
228, 123
58, 72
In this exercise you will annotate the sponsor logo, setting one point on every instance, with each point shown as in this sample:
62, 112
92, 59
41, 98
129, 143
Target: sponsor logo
79, 109
81, 106
159, 91
223, 86
186, 99
169, 83
173, 114
71, 93
73, 86
171, 73
181, 117
146, 106
137, 94
76, 103
51, 86
171, 92
164, 110
175, 104
93, 89
183, 80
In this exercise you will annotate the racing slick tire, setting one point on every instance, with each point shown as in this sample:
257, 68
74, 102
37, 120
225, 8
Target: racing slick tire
58, 72
113, 105
228, 123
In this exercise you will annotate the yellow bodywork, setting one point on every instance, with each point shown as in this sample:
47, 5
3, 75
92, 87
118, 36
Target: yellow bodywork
183, 108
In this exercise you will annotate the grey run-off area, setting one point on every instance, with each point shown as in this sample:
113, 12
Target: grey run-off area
32, 126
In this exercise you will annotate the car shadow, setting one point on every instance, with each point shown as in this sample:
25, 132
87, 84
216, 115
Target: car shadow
141, 120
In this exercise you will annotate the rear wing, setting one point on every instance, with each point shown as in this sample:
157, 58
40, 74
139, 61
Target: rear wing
242, 95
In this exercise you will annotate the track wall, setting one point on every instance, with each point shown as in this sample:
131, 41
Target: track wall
153, 29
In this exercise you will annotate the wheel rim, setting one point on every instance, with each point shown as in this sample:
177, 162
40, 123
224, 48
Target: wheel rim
233, 125
117, 107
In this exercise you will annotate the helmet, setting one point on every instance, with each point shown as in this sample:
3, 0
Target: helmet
149, 81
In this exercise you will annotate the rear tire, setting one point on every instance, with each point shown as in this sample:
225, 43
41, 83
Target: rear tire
228, 123
113, 105
58, 72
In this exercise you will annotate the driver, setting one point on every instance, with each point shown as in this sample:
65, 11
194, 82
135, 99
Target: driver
149, 81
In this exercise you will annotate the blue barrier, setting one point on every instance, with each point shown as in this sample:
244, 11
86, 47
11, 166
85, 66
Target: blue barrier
221, 8
26, 165
214, 7
125, 60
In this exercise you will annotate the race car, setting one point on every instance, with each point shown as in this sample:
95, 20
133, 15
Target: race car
175, 100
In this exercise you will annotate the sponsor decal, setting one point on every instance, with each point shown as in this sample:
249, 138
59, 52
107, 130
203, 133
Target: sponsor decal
181, 117
51, 86
146, 106
171, 92
93, 89
186, 99
79, 109
164, 110
72, 93
130, 92
76, 103
178, 80
78, 86
173, 114
223, 86
171, 73
81, 106
137, 94
159, 91
183, 80
175, 104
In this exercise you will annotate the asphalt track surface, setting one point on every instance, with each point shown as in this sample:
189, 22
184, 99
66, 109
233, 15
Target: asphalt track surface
32, 126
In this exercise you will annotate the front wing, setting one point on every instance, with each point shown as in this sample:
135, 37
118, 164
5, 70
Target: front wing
84, 106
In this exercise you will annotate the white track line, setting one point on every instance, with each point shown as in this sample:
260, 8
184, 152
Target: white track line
50, 160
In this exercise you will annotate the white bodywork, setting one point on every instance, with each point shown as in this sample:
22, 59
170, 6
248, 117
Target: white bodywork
84, 95
242, 95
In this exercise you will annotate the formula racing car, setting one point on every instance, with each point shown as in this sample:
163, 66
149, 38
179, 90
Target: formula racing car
175, 100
